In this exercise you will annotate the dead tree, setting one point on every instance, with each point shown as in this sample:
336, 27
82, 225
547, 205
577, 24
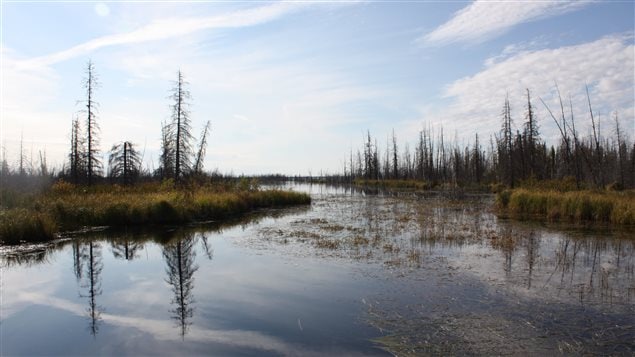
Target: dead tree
93, 162
124, 162
200, 156
182, 128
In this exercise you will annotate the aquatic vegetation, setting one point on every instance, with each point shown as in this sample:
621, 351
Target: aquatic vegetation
395, 184
451, 277
327, 243
66, 207
615, 207
21, 224
360, 241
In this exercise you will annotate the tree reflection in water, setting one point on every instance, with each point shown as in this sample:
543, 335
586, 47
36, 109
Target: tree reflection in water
179, 256
207, 248
532, 246
126, 249
89, 275
77, 260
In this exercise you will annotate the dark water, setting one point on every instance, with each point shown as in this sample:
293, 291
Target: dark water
356, 273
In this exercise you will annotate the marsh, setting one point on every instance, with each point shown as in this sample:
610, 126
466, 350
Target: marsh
354, 273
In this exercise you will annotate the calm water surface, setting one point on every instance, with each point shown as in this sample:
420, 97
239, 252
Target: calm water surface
354, 274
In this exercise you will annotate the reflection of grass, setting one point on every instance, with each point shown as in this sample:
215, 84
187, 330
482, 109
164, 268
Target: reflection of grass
503, 242
360, 241
306, 234
327, 243
67, 207
579, 206
333, 227
392, 229
390, 248
414, 256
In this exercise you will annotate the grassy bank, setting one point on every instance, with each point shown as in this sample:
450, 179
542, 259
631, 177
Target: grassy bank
419, 185
66, 207
394, 184
614, 207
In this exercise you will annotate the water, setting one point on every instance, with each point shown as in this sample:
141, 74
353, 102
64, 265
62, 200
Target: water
356, 273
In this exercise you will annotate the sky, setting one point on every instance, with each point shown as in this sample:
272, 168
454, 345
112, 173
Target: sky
291, 87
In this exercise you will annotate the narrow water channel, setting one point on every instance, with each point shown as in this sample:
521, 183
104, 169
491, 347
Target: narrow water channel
356, 273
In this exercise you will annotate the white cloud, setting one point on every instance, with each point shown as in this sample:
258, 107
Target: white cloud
482, 20
148, 56
284, 103
606, 65
241, 117
516, 49
102, 9
163, 330
25, 108
173, 27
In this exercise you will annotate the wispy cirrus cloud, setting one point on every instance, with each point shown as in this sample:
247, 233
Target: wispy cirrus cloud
482, 20
605, 65
262, 80
163, 29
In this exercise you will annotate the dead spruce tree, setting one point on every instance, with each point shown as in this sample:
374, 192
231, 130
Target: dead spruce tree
124, 162
506, 146
93, 162
202, 147
166, 166
181, 128
531, 140
76, 157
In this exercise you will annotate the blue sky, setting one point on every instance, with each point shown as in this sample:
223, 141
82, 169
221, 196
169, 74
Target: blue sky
290, 87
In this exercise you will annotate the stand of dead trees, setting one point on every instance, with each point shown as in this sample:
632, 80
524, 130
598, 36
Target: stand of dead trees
178, 159
512, 157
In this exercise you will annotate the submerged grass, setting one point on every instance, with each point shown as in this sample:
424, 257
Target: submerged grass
66, 207
614, 207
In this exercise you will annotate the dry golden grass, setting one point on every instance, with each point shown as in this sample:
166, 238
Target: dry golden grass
616, 207
66, 207
395, 184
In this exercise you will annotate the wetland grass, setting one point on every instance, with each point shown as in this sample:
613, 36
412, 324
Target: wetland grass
67, 207
417, 185
20, 224
614, 207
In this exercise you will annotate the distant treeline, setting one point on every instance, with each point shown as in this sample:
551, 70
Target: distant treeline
509, 157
